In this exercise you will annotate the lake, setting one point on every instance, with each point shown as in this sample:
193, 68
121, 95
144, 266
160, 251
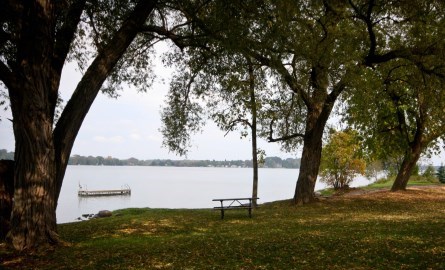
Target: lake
170, 187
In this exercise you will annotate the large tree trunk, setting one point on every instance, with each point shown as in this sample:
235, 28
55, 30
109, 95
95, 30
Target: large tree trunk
33, 96
33, 222
6, 195
41, 154
409, 162
319, 109
310, 158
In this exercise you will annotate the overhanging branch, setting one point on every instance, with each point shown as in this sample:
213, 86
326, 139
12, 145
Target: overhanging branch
178, 40
66, 34
5, 75
85, 93
4, 37
283, 138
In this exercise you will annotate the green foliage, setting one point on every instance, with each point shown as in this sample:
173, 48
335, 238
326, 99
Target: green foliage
181, 117
4, 154
416, 170
229, 88
261, 156
441, 174
294, 69
386, 183
392, 106
341, 160
430, 174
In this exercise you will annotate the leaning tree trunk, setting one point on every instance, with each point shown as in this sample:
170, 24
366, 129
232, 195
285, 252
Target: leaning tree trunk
412, 155
311, 156
86, 91
409, 162
319, 109
310, 163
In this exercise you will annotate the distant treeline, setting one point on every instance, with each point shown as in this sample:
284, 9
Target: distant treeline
6, 155
270, 162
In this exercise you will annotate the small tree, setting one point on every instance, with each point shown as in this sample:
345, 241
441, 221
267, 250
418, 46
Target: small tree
429, 174
441, 174
341, 161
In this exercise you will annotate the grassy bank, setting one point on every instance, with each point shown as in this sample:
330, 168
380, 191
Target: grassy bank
376, 230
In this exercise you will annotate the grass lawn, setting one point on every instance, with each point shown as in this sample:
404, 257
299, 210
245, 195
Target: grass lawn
375, 230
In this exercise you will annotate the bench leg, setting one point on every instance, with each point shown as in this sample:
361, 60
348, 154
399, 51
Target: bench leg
250, 212
222, 213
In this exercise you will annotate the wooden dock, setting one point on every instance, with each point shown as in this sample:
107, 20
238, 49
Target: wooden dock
112, 192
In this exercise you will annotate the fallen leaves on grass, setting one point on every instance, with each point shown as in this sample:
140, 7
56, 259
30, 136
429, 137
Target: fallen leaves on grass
373, 230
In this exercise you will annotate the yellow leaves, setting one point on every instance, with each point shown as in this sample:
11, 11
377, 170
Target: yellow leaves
128, 230
341, 159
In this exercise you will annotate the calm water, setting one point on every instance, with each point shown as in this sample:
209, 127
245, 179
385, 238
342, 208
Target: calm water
170, 187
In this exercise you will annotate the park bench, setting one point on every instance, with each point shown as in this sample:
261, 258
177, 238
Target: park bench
234, 203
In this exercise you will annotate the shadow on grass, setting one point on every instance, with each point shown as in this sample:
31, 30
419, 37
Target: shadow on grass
380, 230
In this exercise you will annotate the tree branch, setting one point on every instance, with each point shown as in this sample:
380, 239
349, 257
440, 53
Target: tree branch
366, 18
5, 75
284, 138
4, 37
65, 35
336, 91
281, 69
160, 30
244, 121
233, 123
401, 53
389, 129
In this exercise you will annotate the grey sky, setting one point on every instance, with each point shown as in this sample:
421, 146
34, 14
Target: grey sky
129, 127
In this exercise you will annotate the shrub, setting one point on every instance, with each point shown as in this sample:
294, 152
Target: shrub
441, 174
341, 161
430, 174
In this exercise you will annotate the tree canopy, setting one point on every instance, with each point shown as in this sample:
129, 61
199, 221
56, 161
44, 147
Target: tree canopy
304, 48
393, 107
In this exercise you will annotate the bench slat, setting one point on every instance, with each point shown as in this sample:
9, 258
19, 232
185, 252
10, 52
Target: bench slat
232, 207
234, 199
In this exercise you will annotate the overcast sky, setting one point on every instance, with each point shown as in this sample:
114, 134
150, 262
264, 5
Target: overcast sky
129, 127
